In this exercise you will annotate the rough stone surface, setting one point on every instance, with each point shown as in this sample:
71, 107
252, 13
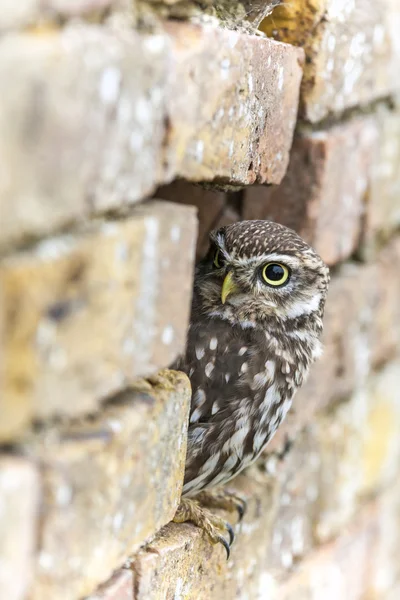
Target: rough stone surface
94, 310
209, 204
352, 49
359, 450
383, 216
81, 124
35, 13
240, 133
105, 488
181, 562
233, 14
125, 126
19, 511
120, 587
347, 568
323, 194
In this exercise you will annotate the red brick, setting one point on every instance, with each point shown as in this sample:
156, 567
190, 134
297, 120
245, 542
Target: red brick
120, 587
234, 124
322, 196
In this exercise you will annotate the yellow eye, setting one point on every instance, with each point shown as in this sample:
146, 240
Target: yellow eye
218, 260
275, 274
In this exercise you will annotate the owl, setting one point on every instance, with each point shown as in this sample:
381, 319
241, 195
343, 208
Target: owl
256, 323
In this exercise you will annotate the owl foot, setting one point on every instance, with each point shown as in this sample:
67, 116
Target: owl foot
214, 526
223, 499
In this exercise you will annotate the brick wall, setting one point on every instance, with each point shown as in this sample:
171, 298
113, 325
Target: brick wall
111, 114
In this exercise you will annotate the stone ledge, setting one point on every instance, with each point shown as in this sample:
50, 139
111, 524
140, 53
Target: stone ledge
87, 127
105, 490
94, 309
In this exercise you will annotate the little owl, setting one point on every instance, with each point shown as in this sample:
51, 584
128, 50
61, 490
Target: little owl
256, 322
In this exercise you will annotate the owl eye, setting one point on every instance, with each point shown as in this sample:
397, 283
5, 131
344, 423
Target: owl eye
218, 260
275, 274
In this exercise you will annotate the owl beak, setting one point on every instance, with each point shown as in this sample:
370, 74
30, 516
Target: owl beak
228, 287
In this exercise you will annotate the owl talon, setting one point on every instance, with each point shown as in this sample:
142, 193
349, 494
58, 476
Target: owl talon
191, 510
224, 500
231, 533
225, 544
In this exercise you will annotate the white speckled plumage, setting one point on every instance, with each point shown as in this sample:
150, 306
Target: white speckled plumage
247, 357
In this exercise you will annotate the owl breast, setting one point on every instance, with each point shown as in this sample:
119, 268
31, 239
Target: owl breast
243, 381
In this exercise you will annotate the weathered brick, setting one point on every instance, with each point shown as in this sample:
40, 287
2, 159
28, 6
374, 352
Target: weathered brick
383, 214
96, 118
243, 14
31, 13
361, 563
359, 449
241, 131
120, 587
181, 563
81, 124
105, 488
209, 203
339, 570
352, 50
19, 512
94, 310
385, 305
322, 196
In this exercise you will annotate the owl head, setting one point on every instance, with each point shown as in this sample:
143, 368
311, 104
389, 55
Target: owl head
260, 270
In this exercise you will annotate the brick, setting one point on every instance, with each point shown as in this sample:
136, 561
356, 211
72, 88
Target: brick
127, 127
105, 489
352, 51
31, 13
339, 570
209, 204
240, 133
346, 567
359, 450
385, 294
94, 309
181, 562
120, 587
383, 214
81, 125
19, 508
320, 196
